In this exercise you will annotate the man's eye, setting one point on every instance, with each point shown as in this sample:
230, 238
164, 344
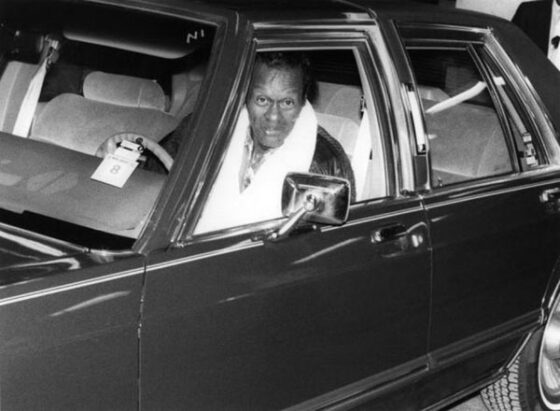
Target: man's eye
261, 101
288, 103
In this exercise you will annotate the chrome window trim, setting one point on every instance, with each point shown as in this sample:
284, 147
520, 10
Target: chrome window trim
244, 245
375, 113
536, 110
248, 243
418, 121
333, 25
446, 27
402, 153
523, 88
374, 218
433, 32
471, 197
254, 228
269, 225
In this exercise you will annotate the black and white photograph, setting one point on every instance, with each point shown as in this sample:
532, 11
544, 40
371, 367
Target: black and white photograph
254, 205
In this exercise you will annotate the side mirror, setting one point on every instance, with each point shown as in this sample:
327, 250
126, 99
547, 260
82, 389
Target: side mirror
314, 198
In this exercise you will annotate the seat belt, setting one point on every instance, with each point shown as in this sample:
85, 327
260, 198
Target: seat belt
28, 106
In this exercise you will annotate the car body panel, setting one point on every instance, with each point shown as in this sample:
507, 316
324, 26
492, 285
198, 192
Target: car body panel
69, 328
487, 299
499, 220
240, 331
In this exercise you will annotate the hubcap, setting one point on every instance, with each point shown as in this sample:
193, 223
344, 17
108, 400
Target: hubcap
549, 361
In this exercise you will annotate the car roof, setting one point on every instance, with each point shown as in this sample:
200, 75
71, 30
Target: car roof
399, 9
267, 11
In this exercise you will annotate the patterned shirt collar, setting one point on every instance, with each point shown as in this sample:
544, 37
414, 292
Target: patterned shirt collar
249, 164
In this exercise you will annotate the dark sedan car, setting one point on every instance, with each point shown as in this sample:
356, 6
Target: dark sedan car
130, 279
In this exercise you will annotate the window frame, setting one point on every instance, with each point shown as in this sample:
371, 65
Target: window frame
356, 38
467, 47
528, 120
368, 62
433, 36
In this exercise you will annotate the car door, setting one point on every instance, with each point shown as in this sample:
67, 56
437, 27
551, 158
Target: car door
491, 208
68, 325
233, 320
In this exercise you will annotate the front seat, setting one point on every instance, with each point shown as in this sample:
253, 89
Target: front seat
111, 104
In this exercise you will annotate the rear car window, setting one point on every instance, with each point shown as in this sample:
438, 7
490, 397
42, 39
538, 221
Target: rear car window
466, 139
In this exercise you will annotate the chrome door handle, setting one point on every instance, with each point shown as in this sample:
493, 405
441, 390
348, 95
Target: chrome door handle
550, 194
388, 233
551, 200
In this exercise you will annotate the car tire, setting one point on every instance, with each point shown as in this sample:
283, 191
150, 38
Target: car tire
517, 389
532, 382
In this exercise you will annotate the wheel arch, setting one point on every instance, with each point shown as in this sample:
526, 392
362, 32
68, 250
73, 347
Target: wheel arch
552, 292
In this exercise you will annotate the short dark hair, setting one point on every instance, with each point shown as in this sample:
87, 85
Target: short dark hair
292, 60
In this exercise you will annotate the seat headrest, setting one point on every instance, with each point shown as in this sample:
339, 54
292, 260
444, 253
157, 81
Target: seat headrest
123, 90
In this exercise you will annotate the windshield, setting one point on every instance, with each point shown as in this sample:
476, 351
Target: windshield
87, 95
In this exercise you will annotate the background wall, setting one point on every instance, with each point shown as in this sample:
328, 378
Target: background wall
502, 8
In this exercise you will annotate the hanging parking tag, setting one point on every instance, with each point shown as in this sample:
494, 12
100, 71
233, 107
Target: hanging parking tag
116, 168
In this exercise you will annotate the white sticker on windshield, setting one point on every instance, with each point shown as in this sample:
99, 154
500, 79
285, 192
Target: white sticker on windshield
116, 168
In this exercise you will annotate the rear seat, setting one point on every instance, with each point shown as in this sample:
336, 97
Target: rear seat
338, 111
111, 104
342, 129
185, 90
339, 99
466, 142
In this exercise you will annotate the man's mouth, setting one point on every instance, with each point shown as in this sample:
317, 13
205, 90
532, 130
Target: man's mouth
272, 132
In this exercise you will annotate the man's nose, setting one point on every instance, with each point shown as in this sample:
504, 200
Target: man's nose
273, 112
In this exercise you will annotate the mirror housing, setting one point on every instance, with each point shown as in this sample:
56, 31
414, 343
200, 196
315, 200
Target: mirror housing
314, 198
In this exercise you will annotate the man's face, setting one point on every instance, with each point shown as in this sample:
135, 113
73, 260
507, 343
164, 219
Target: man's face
274, 103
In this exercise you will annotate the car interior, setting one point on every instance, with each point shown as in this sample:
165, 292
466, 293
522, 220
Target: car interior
339, 103
98, 82
465, 135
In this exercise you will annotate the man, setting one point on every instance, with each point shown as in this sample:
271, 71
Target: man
276, 133
277, 96
540, 20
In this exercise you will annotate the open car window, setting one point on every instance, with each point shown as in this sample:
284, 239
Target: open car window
324, 121
74, 83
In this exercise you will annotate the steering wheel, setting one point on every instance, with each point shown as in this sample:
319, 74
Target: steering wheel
110, 145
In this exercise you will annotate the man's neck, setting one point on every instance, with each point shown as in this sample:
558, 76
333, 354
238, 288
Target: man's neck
258, 153
259, 149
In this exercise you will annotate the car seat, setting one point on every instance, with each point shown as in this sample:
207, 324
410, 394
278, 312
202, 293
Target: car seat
111, 104
338, 110
186, 87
